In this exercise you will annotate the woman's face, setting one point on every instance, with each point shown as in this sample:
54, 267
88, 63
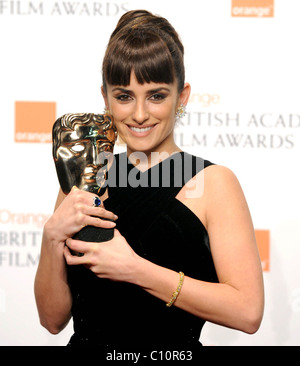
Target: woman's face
144, 114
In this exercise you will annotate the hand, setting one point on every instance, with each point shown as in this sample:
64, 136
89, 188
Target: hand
75, 212
114, 259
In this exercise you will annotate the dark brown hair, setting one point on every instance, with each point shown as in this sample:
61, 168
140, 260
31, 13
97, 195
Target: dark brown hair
146, 44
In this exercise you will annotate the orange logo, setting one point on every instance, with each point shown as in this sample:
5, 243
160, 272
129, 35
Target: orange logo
34, 121
253, 8
263, 243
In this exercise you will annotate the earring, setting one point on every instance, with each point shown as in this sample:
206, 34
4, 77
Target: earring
106, 111
181, 111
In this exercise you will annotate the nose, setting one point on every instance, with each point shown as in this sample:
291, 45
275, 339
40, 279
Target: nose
140, 113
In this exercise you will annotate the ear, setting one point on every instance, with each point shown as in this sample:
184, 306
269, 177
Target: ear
184, 96
104, 97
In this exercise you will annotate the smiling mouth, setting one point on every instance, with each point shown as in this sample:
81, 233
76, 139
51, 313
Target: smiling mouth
135, 129
141, 130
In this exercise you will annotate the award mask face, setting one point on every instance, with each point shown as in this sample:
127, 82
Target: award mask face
82, 150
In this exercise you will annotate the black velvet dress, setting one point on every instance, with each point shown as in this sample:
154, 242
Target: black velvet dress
164, 231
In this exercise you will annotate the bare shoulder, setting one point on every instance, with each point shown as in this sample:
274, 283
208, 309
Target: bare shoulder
220, 175
224, 198
221, 183
210, 191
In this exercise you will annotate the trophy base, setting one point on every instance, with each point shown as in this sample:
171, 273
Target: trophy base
93, 234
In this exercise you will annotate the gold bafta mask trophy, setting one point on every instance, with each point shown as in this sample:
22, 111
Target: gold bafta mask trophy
82, 150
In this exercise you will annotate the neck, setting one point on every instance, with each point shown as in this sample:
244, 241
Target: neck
147, 159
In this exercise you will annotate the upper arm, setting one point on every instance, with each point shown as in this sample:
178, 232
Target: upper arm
231, 233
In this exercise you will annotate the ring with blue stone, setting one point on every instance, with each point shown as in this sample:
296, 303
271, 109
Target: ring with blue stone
97, 202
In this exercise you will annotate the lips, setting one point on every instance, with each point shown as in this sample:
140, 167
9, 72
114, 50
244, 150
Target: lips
141, 131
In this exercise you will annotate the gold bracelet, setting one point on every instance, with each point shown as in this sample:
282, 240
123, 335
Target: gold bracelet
176, 293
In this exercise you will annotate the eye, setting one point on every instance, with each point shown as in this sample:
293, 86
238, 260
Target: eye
157, 97
123, 97
77, 148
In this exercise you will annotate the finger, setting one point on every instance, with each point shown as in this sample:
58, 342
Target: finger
95, 221
84, 197
97, 202
75, 260
100, 212
93, 203
78, 245
87, 217
71, 260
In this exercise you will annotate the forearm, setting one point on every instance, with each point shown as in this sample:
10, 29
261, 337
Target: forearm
52, 293
219, 303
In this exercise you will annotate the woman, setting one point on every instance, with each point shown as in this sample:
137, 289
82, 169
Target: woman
190, 246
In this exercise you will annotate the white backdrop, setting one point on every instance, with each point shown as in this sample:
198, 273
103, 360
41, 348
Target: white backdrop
244, 113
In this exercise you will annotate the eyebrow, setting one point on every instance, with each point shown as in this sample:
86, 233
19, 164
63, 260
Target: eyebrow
130, 92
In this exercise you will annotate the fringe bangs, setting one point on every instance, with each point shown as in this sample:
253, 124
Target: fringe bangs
148, 57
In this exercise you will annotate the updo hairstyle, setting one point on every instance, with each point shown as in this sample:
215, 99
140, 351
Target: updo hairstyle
146, 44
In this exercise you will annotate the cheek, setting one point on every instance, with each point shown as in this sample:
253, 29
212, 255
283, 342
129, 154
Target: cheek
164, 112
120, 111
119, 120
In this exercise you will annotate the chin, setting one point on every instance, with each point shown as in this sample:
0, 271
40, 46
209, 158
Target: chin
146, 151
144, 146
